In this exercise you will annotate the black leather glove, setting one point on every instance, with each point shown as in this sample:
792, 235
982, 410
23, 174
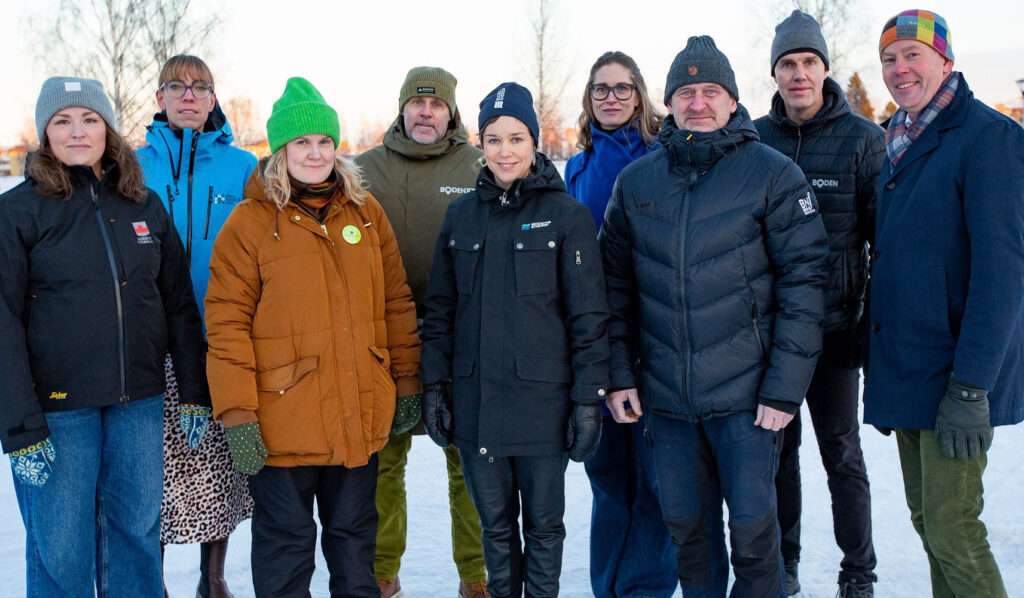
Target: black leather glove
584, 431
962, 425
437, 413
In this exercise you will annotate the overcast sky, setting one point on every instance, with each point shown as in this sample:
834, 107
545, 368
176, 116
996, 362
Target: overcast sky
357, 52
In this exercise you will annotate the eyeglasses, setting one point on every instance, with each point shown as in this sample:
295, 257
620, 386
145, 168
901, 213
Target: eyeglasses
177, 89
622, 91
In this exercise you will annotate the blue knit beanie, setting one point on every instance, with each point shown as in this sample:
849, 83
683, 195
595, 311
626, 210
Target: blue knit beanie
509, 99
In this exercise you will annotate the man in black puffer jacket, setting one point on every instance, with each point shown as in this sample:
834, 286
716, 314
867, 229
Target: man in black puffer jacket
716, 260
841, 154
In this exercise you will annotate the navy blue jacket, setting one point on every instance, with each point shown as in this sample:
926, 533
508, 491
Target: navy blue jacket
716, 261
947, 286
590, 175
516, 313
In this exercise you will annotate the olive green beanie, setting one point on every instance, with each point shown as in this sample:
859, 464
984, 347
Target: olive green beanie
301, 110
428, 81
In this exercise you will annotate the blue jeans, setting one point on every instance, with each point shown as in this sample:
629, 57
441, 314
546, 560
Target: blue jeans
699, 464
96, 522
631, 551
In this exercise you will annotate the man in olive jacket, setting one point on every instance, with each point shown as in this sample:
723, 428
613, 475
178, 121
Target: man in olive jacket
424, 164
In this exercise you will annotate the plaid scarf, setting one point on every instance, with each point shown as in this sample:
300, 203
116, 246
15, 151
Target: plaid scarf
899, 135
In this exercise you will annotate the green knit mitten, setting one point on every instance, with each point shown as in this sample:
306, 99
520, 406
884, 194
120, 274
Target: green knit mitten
245, 442
407, 413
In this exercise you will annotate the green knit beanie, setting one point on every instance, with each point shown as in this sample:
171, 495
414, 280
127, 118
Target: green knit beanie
428, 81
301, 110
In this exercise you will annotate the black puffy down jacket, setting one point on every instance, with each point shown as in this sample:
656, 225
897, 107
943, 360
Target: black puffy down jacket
715, 260
841, 154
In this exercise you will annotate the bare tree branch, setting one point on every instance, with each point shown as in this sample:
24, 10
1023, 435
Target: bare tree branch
123, 44
550, 80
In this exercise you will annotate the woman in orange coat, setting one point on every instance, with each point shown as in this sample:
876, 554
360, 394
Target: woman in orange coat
312, 333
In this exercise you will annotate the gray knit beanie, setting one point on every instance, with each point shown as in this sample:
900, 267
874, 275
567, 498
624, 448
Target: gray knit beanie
798, 32
60, 92
700, 62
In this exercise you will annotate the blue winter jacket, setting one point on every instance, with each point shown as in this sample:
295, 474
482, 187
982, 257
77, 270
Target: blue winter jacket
947, 273
590, 175
200, 178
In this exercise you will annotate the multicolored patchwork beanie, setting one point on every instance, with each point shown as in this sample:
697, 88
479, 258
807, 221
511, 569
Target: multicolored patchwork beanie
301, 110
924, 26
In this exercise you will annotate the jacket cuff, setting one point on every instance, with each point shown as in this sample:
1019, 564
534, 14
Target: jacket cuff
408, 385
33, 429
784, 406
237, 417
589, 393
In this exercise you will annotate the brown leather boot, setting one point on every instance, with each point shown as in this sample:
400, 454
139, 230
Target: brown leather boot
473, 589
390, 588
211, 570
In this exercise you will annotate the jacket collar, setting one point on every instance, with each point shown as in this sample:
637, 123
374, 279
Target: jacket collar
835, 106
163, 138
397, 141
697, 152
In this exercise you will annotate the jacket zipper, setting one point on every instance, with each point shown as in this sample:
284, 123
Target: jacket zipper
799, 142
757, 329
209, 206
191, 170
503, 200
682, 292
170, 205
109, 246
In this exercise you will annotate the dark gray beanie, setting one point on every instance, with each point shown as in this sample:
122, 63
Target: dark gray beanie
798, 32
700, 62
60, 92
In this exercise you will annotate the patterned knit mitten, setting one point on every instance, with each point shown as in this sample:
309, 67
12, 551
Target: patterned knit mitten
34, 464
194, 420
245, 442
408, 410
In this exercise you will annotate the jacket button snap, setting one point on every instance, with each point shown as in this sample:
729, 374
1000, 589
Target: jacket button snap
483, 451
296, 218
551, 244
451, 243
600, 392
890, 186
876, 327
476, 246
490, 459
519, 245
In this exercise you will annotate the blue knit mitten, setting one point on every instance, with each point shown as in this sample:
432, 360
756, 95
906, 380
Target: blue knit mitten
194, 419
34, 464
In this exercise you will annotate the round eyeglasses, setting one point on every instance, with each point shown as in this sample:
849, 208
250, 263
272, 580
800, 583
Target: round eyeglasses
622, 91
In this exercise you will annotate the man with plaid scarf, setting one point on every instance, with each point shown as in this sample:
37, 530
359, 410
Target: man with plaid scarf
946, 361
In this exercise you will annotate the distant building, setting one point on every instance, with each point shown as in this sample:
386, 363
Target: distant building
12, 160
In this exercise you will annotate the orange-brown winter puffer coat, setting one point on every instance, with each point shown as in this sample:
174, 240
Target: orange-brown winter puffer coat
311, 327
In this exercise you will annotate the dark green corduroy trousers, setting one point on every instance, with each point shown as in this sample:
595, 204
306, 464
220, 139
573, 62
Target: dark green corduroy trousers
467, 551
945, 497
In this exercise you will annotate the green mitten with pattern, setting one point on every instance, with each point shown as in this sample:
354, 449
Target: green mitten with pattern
408, 410
245, 442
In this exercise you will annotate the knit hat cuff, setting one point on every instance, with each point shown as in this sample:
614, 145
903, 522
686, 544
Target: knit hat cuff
305, 118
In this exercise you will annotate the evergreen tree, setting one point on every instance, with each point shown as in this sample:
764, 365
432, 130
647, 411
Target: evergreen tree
857, 96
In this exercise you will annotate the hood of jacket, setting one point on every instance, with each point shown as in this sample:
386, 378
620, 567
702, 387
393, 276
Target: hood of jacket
543, 177
396, 140
835, 106
696, 151
162, 138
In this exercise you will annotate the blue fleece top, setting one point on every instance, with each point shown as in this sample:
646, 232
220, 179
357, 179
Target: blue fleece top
590, 175
199, 177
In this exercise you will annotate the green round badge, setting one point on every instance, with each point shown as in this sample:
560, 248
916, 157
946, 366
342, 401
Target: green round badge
351, 234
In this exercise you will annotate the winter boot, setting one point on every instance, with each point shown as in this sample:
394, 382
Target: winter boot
211, 570
852, 589
472, 589
791, 580
390, 588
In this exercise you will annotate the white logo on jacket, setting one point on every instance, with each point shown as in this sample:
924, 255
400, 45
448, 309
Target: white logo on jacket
806, 204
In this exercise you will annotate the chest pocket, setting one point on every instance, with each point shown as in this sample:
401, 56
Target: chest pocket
465, 257
536, 262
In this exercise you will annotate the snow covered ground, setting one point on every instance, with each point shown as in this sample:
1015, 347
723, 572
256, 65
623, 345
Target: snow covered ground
428, 572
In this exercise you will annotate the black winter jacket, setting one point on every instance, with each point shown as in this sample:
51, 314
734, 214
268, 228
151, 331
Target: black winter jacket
95, 290
715, 258
516, 314
841, 155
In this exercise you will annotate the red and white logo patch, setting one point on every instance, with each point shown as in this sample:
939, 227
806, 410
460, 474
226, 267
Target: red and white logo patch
141, 228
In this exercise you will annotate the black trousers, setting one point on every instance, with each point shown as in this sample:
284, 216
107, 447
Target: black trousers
498, 486
832, 400
284, 532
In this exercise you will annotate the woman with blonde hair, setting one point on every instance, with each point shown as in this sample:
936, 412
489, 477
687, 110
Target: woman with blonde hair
312, 333
631, 551
95, 291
